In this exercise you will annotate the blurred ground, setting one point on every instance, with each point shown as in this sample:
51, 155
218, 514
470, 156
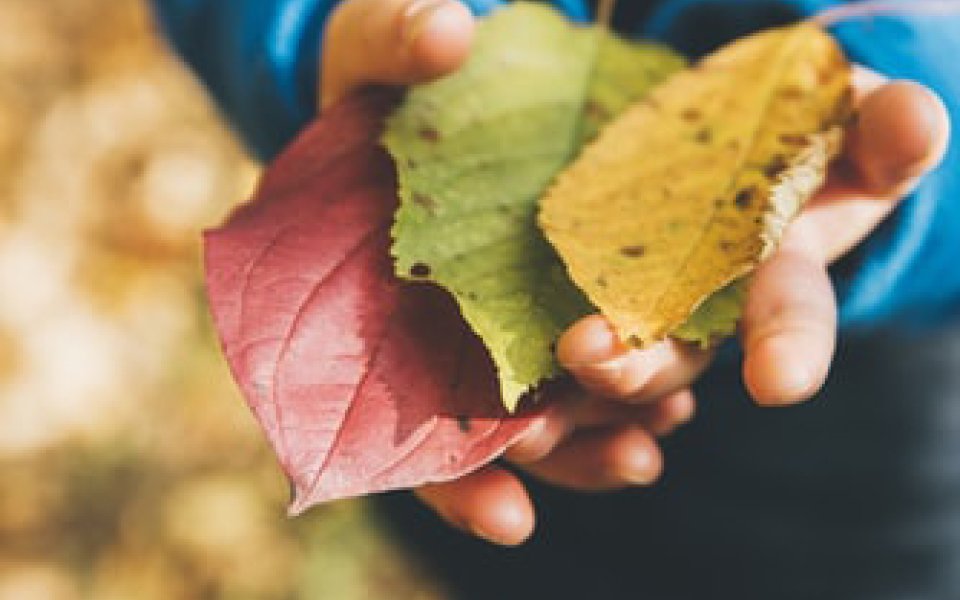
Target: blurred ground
129, 466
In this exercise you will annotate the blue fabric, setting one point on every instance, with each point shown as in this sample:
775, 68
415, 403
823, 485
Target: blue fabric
260, 59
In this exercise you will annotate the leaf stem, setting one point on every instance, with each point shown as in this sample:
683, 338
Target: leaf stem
605, 10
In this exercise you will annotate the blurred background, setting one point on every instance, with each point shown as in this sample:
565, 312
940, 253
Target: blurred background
129, 466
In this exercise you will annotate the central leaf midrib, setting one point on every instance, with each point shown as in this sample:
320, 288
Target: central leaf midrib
785, 55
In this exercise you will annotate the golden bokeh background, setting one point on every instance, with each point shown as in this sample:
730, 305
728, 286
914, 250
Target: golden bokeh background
129, 466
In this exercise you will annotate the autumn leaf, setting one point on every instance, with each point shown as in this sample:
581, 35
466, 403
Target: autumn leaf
692, 187
475, 151
717, 317
361, 383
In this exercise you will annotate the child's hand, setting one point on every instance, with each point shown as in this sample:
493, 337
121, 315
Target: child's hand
399, 42
788, 332
604, 438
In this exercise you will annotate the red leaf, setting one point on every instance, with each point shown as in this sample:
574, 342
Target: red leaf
361, 383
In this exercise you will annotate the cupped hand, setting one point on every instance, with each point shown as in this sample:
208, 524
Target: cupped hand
600, 434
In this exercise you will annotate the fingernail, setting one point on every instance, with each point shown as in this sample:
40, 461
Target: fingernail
626, 376
933, 125
592, 341
600, 373
639, 464
930, 122
686, 411
509, 520
640, 468
794, 375
921, 145
422, 15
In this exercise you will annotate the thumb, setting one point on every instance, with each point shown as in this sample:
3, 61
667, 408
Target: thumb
397, 42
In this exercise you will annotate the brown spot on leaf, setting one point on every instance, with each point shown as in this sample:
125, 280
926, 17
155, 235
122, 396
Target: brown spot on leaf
425, 202
792, 92
420, 270
704, 136
429, 134
794, 139
777, 165
726, 246
635, 251
594, 110
690, 114
832, 71
602, 281
744, 199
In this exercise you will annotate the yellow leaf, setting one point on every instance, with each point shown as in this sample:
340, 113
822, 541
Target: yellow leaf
691, 188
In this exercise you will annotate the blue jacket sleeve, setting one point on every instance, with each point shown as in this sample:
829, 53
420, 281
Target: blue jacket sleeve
260, 58
908, 272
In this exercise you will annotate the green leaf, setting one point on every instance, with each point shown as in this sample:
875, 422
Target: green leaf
717, 317
474, 153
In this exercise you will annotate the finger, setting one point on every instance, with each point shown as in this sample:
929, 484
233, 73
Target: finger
548, 431
397, 42
900, 134
670, 413
605, 366
789, 324
660, 419
602, 459
491, 504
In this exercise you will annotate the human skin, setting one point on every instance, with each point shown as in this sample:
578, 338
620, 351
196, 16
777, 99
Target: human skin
601, 434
